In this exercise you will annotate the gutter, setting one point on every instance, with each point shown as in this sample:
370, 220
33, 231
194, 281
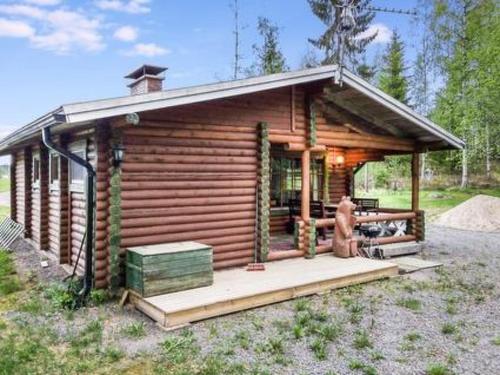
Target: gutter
89, 206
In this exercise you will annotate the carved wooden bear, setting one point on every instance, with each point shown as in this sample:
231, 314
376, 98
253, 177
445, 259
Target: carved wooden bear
344, 245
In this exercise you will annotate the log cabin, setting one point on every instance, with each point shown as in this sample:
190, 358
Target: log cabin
220, 164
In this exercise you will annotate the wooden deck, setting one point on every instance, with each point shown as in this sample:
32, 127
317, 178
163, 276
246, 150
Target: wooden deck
237, 289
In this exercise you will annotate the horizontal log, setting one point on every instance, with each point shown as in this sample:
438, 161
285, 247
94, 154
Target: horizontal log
234, 246
180, 202
207, 143
396, 239
385, 217
233, 255
232, 263
206, 237
185, 228
303, 147
324, 223
192, 134
186, 219
186, 210
321, 249
185, 193
188, 159
286, 139
187, 176
363, 143
285, 254
163, 167
150, 185
169, 124
183, 150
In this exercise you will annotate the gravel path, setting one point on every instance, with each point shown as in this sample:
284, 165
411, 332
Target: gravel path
399, 326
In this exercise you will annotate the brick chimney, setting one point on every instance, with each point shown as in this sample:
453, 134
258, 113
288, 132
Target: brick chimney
147, 78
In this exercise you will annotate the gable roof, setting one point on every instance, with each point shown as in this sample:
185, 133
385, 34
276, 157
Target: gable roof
84, 113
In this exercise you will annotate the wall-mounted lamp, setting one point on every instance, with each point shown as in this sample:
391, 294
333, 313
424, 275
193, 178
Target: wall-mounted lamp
339, 161
118, 152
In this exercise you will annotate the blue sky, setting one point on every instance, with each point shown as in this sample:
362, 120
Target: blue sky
62, 51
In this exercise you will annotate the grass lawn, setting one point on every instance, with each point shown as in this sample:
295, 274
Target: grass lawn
434, 202
4, 185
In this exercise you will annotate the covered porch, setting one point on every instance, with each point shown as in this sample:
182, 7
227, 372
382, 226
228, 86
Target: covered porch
305, 195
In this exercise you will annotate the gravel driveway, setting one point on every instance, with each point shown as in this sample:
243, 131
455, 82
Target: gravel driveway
448, 317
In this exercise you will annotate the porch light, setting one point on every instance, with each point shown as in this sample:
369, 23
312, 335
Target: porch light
339, 160
118, 152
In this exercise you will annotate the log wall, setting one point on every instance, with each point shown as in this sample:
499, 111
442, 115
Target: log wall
102, 204
189, 172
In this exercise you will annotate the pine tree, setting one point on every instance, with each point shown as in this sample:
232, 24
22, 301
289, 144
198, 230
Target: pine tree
270, 59
392, 79
329, 11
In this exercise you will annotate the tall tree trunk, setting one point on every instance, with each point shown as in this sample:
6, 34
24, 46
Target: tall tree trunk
465, 173
488, 159
422, 167
366, 178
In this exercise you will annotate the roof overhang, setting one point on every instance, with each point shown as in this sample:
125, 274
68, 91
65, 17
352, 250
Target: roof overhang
81, 114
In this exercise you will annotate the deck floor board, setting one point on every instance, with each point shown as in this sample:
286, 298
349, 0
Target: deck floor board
238, 289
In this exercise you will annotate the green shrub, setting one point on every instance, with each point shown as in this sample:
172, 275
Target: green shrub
437, 369
135, 330
319, 347
98, 297
410, 303
362, 340
448, 328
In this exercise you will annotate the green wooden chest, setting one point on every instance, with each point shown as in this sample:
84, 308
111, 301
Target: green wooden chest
167, 268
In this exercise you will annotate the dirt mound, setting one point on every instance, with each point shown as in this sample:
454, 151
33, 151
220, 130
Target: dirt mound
480, 213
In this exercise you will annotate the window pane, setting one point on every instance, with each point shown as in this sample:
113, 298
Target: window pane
77, 172
36, 169
54, 168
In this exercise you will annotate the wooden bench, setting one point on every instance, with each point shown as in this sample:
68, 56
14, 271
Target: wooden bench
366, 205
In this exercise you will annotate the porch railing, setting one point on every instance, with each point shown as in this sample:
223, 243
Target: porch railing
305, 232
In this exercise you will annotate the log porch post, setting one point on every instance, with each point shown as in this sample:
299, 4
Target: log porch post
304, 194
415, 181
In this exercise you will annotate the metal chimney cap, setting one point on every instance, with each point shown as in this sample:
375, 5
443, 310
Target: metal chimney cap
151, 70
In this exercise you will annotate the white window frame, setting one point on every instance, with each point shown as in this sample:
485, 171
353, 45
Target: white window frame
77, 147
35, 156
54, 185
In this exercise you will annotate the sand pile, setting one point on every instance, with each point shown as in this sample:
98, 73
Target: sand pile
480, 213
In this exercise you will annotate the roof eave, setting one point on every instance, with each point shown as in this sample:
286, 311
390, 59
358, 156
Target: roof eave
403, 110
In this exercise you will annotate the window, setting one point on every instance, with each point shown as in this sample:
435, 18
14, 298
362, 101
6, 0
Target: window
286, 179
36, 170
77, 173
54, 171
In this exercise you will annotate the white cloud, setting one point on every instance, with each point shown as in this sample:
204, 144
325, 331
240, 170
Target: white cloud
69, 31
60, 31
126, 33
384, 33
43, 2
15, 29
148, 50
22, 10
127, 6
